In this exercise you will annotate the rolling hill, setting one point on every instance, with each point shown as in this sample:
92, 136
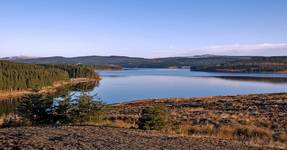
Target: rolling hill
133, 62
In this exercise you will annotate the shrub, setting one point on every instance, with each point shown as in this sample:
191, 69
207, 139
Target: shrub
43, 110
153, 118
36, 108
14, 121
85, 109
10, 122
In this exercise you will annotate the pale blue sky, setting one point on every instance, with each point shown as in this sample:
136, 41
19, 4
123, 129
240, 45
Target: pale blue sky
144, 28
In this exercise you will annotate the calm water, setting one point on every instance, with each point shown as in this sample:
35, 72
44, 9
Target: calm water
133, 84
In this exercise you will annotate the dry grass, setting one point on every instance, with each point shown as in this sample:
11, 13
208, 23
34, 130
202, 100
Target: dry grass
202, 130
12, 94
247, 133
253, 119
119, 123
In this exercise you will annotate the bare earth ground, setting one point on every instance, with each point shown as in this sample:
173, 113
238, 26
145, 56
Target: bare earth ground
91, 137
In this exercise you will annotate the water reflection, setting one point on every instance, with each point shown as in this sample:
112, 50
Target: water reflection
273, 80
85, 86
8, 106
134, 84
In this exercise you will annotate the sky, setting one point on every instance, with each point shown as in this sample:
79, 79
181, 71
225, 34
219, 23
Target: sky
142, 28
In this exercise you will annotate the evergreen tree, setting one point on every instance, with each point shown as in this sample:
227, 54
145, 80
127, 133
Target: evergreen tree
15, 76
36, 108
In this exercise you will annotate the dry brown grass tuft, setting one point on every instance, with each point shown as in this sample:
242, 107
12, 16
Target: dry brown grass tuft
121, 124
202, 130
251, 133
280, 137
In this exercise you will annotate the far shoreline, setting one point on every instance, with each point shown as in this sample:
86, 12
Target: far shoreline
178, 99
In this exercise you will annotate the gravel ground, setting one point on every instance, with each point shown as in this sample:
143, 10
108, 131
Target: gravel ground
91, 137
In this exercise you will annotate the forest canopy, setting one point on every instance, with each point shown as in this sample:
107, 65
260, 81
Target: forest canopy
75, 71
14, 76
255, 64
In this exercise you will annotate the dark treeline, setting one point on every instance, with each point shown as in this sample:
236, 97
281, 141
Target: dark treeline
15, 76
256, 64
76, 71
110, 67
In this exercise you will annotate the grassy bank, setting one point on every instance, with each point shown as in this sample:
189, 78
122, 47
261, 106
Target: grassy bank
258, 119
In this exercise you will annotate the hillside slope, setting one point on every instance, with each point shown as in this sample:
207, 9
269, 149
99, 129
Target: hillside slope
90, 137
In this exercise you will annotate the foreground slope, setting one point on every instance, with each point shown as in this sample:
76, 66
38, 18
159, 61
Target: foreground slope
90, 137
218, 122
257, 119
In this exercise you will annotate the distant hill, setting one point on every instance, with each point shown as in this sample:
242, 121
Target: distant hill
254, 64
134, 62
199, 62
206, 56
17, 57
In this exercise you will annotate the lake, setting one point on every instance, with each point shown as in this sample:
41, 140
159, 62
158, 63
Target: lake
134, 84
